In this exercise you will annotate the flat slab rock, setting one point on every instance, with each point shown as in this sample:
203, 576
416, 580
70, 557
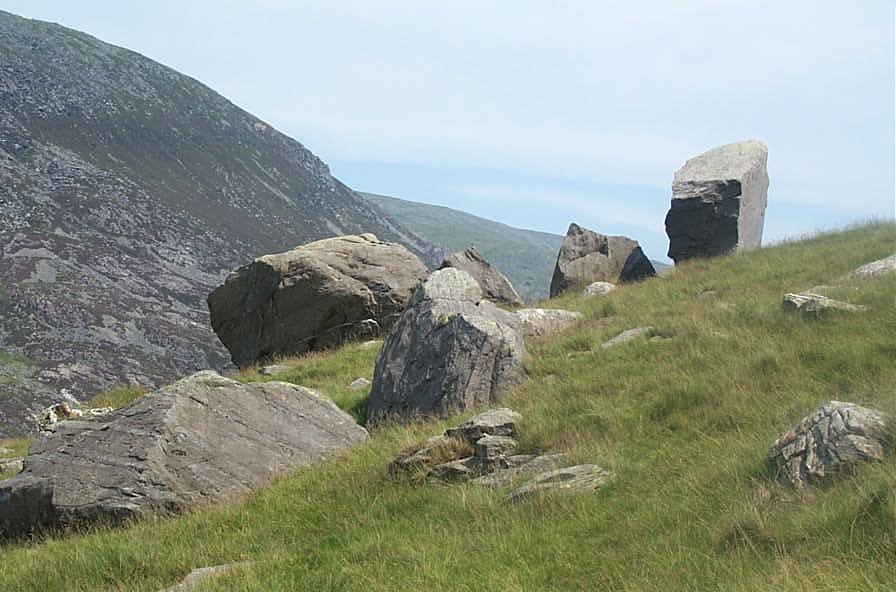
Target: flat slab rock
879, 268
203, 439
809, 302
832, 440
569, 480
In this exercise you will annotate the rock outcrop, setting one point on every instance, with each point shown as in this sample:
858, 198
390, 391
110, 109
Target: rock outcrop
451, 350
816, 304
567, 480
879, 268
587, 257
718, 202
495, 285
830, 441
315, 296
203, 439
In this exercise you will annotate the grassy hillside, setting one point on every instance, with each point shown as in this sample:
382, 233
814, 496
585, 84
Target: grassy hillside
526, 257
684, 423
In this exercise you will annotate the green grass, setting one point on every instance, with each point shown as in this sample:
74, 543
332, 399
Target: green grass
684, 424
117, 397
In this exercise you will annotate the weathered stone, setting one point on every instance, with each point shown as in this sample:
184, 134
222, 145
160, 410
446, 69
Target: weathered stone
315, 296
520, 466
273, 369
492, 447
359, 384
576, 479
832, 440
626, 336
452, 471
448, 352
598, 289
881, 267
587, 257
494, 284
203, 439
495, 422
200, 575
437, 449
11, 465
718, 202
807, 302
541, 322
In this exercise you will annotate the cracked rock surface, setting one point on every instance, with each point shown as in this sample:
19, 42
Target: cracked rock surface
832, 440
203, 439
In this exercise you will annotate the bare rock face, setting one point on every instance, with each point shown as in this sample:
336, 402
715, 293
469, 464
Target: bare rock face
718, 202
830, 441
203, 439
450, 350
495, 285
587, 257
313, 297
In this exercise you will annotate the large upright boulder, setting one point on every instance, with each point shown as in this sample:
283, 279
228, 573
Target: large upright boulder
718, 202
495, 285
587, 257
451, 350
315, 296
203, 439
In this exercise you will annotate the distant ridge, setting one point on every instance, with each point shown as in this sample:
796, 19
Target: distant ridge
127, 192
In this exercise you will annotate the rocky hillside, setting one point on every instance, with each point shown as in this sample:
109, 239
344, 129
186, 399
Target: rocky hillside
127, 192
526, 257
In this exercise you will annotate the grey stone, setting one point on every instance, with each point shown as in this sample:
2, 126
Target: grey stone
542, 322
575, 479
520, 466
200, 575
11, 465
587, 257
359, 384
436, 450
315, 296
491, 447
448, 352
495, 422
203, 439
832, 440
598, 289
808, 302
494, 284
272, 369
718, 202
881, 267
452, 471
626, 336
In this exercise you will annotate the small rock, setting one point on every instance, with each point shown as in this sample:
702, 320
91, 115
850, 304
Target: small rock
490, 447
541, 322
598, 289
833, 439
520, 466
452, 472
626, 336
199, 575
807, 302
878, 268
495, 422
359, 383
576, 479
438, 448
11, 465
272, 369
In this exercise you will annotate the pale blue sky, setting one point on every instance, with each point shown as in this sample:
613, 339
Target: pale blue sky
540, 113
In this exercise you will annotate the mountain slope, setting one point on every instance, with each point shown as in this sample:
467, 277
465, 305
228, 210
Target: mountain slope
683, 422
526, 257
127, 191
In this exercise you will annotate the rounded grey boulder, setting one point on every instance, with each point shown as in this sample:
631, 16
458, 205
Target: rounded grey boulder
495, 285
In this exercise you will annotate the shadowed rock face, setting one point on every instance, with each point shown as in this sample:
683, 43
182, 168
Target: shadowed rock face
128, 191
495, 286
718, 202
203, 439
313, 297
450, 350
587, 257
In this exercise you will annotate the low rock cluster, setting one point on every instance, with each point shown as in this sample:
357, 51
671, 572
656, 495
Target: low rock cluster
481, 451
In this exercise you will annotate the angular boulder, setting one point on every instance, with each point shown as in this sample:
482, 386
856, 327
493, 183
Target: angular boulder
315, 296
451, 350
587, 257
830, 441
718, 202
494, 284
203, 439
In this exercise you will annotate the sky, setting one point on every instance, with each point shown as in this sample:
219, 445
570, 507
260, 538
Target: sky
537, 114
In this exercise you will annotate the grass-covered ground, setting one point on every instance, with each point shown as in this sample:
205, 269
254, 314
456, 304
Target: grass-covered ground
685, 423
